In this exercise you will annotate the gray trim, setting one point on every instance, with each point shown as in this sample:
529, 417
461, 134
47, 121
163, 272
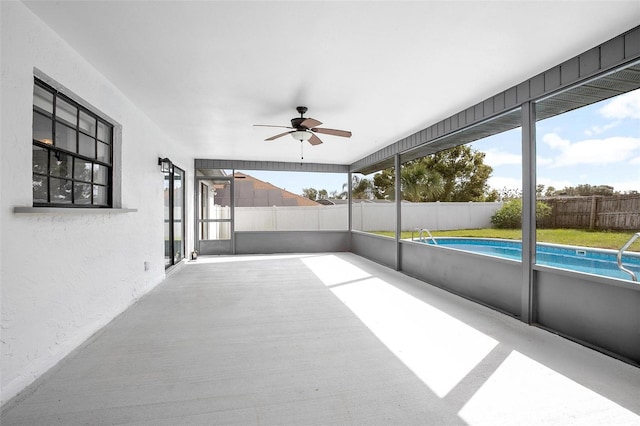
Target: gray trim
232, 202
270, 165
528, 208
600, 315
374, 247
398, 191
350, 200
491, 281
267, 242
611, 54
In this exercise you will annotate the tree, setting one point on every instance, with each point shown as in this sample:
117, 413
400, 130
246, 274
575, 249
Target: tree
463, 172
384, 185
582, 190
310, 193
323, 194
361, 188
455, 174
419, 184
510, 215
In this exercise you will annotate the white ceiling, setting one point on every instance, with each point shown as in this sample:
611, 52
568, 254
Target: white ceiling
206, 71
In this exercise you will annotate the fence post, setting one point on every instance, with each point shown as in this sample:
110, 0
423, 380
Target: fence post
274, 209
592, 217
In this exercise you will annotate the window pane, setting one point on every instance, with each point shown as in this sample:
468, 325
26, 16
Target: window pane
81, 193
100, 174
39, 189
60, 190
61, 165
65, 138
40, 160
283, 201
104, 153
87, 123
82, 170
104, 132
87, 146
66, 111
214, 231
588, 186
378, 217
100, 197
43, 99
42, 129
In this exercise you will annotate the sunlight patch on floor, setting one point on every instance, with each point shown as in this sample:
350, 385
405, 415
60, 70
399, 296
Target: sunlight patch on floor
334, 271
438, 348
523, 391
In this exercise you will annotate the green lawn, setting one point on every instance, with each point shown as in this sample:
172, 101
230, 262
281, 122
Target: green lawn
574, 237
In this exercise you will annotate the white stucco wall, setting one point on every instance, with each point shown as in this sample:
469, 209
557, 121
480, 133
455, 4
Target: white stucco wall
64, 276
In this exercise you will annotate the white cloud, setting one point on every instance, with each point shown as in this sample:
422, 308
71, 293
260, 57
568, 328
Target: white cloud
625, 186
543, 161
635, 161
495, 157
623, 106
592, 151
555, 141
500, 182
557, 184
596, 130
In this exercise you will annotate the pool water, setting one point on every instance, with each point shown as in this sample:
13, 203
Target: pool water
581, 259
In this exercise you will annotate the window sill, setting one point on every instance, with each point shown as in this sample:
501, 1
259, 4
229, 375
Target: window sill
68, 211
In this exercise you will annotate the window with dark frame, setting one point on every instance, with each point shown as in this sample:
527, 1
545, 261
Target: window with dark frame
72, 152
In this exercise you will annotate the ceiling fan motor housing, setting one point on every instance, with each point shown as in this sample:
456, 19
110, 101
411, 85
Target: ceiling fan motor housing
296, 123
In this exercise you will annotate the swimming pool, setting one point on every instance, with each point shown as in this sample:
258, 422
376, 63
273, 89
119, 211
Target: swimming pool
581, 259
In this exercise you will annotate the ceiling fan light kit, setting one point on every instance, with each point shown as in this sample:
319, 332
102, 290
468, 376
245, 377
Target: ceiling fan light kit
304, 129
301, 135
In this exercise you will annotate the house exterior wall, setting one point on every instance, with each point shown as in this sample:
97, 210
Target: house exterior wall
64, 276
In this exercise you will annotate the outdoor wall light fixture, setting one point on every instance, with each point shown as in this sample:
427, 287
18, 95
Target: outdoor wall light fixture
166, 166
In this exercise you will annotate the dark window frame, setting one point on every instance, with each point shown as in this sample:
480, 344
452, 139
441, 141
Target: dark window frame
171, 258
99, 182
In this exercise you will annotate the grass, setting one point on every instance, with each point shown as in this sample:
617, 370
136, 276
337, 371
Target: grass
574, 237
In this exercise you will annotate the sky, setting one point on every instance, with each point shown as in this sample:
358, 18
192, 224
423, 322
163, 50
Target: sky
596, 145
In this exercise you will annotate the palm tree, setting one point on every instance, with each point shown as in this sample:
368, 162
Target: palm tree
361, 188
419, 183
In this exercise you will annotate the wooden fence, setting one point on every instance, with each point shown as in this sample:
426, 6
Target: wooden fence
615, 212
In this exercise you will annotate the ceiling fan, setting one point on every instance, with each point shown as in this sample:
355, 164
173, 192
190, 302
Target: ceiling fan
304, 129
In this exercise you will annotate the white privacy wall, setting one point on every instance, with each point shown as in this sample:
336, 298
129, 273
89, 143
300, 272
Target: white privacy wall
64, 276
366, 217
433, 216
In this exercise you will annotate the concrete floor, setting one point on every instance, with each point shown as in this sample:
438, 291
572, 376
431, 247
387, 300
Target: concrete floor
323, 339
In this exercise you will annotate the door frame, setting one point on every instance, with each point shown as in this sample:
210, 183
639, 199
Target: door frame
213, 246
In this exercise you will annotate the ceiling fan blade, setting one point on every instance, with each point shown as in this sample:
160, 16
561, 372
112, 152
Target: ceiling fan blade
269, 125
334, 132
310, 122
314, 140
278, 136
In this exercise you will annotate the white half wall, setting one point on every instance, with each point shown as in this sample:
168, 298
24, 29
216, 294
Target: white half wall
64, 276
